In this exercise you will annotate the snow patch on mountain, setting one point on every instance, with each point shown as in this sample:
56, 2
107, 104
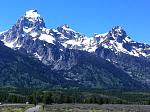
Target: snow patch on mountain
67, 28
47, 38
27, 30
38, 56
34, 34
11, 44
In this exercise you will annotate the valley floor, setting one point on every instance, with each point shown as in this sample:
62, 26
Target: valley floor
96, 108
78, 108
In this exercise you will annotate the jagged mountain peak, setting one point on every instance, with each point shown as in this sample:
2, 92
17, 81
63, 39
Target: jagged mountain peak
29, 27
118, 41
31, 20
32, 14
118, 28
66, 29
118, 31
66, 26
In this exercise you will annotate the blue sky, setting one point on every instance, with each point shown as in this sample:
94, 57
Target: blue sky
85, 16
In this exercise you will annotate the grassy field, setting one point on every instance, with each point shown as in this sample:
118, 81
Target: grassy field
14, 108
96, 108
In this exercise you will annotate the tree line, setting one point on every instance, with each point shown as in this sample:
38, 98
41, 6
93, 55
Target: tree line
71, 96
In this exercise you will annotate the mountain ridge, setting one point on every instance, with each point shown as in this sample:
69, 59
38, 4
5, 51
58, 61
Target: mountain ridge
35, 25
58, 49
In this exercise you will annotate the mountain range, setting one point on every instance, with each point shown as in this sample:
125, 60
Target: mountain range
34, 56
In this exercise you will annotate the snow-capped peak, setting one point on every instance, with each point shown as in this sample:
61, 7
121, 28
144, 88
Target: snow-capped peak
31, 22
32, 18
67, 28
32, 14
118, 41
117, 28
118, 31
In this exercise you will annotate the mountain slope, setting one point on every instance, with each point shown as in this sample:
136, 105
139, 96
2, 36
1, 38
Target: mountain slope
135, 67
23, 71
19, 70
97, 72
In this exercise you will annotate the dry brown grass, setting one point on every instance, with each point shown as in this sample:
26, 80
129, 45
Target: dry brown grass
96, 108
